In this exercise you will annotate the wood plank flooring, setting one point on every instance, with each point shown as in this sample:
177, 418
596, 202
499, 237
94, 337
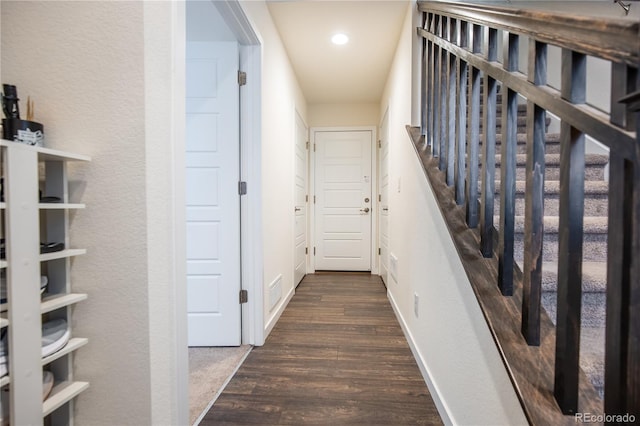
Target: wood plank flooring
336, 356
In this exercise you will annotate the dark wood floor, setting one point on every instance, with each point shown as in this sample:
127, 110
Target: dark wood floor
337, 356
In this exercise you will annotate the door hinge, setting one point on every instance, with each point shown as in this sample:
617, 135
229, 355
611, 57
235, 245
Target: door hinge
242, 188
242, 78
244, 296
379, 144
307, 145
306, 250
379, 197
306, 198
379, 251
314, 199
314, 147
314, 251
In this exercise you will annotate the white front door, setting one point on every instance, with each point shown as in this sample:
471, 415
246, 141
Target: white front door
213, 204
301, 199
343, 200
384, 197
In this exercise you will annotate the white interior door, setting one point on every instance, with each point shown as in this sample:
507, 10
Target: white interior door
301, 200
343, 200
384, 198
213, 204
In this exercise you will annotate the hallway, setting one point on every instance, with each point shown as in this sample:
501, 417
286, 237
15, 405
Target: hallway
337, 355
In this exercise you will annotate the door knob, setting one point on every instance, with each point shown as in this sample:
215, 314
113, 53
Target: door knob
366, 210
297, 209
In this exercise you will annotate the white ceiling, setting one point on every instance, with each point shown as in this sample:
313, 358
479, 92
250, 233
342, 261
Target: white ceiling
352, 73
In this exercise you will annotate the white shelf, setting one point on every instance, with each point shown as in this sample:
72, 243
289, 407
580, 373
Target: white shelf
47, 154
61, 254
57, 301
22, 182
60, 206
61, 394
72, 345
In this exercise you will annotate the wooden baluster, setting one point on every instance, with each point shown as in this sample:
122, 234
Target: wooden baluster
444, 85
534, 199
430, 85
622, 346
508, 169
461, 127
623, 82
570, 234
436, 91
633, 348
453, 101
473, 135
424, 77
489, 149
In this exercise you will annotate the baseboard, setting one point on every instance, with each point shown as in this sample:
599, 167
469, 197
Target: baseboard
441, 405
276, 316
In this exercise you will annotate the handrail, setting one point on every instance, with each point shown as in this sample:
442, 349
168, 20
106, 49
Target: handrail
588, 35
460, 81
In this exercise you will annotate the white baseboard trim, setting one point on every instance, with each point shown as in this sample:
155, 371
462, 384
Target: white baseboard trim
276, 316
441, 405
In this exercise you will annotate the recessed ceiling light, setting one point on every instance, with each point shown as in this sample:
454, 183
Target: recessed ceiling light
340, 39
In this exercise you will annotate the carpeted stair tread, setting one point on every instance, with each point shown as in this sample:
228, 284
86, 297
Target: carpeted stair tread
594, 277
552, 187
521, 138
554, 159
592, 340
521, 122
552, 144
592, 310
596, 201
591, 224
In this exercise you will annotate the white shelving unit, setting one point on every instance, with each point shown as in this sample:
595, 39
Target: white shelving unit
26, 222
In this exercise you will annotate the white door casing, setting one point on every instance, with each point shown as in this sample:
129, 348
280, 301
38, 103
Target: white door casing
213, 205
300, 200
383, 179
344, 203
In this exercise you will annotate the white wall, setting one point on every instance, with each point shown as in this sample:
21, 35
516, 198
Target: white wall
100, 74
343, 115
281, 95
449, 335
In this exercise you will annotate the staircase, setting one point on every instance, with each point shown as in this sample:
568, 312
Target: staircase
553, 366
594, 268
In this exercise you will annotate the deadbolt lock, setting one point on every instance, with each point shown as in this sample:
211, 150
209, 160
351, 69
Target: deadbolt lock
366, 200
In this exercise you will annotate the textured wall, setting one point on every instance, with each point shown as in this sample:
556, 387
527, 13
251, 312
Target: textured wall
83, 64
332, 115
453, 344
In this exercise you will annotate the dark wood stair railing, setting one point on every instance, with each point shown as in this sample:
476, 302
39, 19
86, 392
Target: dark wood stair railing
464, 84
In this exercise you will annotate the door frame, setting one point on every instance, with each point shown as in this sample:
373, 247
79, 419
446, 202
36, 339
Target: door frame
296, 115
251, 170
374, 188
385, 117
